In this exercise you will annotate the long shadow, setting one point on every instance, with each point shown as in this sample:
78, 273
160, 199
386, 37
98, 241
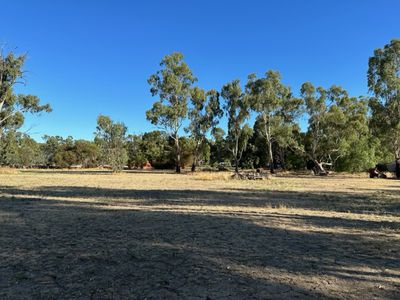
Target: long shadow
55, 249
329, 201
239, 198
390, 190
168, 205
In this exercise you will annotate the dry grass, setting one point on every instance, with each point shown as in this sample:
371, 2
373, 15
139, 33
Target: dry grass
212, 176
6, 170
78, 234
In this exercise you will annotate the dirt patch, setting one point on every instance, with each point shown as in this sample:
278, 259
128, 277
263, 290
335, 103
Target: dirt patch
164, 236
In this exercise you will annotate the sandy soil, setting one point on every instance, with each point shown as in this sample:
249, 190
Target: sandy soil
141, 235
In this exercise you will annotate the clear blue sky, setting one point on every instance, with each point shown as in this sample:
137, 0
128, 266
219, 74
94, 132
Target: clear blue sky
94, 57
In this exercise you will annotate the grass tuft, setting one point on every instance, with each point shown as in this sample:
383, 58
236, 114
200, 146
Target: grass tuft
7, 170
211, 176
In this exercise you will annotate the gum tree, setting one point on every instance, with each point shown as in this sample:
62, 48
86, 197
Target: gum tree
110, 136
12, 105
337, 124
172, 84
384, 83
277, 110
236, 108
204, 115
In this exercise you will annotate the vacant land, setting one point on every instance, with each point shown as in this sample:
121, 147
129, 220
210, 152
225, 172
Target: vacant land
145, 235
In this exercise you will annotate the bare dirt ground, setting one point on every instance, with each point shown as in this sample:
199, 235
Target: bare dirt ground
94, 235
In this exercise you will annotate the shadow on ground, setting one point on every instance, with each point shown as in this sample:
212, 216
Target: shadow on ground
375, 202
68, 249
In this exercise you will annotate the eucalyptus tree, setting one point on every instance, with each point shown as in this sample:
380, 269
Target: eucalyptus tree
337, 123
19, 150
384, 83
277, 110
12, 105
50, 148
204, 115
87, 153
156, 148
237, 108
110, 136
136, 156
173, 85
65, 156
315, 103
218, 149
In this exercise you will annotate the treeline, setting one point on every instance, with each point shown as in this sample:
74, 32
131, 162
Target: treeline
157, 150
344, 132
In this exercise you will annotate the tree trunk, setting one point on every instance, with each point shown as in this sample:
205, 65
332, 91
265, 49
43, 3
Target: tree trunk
178, 163
178, 155
319, 169
195, 155
271, 158
236, 166
282, 157
236, 154
268, 140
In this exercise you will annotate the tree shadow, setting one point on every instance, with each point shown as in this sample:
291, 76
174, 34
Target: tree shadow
56, 248
233, 197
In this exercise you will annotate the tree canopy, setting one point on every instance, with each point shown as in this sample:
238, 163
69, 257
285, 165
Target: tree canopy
342, 132
12, 105
173, 85
237, 110
277, 110
204, 115
384, 83
111, 138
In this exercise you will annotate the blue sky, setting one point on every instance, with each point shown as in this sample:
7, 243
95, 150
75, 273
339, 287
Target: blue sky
94, 57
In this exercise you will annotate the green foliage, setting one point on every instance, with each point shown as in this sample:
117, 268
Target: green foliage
237, 110
256, 155
13, 106
173, 85
360, 156
50, 148
219, 152
158, 148
187, 149
136, 155
338, 127
87, 153
158, 151
19, 150
345, 132
64, 153
111, 139
204, 115
384, 83
65, 158
277, 111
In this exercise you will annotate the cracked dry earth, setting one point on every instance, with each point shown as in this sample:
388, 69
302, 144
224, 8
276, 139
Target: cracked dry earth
94, 235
